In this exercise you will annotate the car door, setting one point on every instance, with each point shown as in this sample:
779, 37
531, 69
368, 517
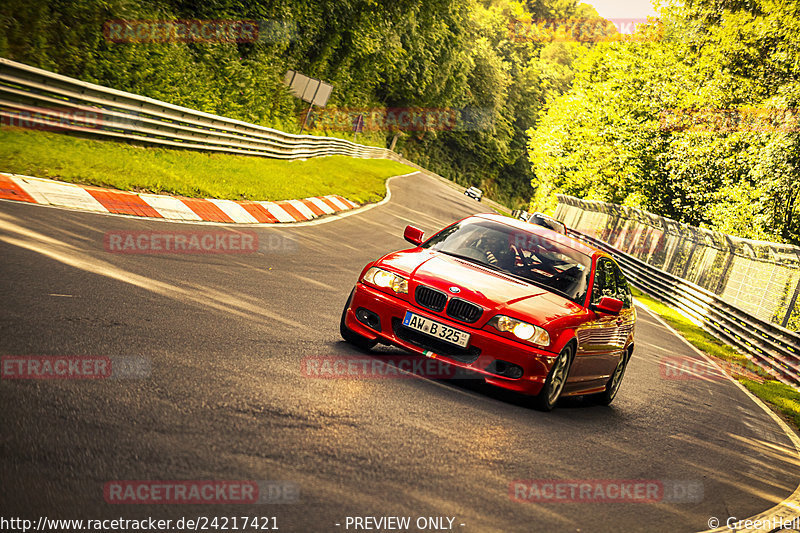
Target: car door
627, 317
599, 338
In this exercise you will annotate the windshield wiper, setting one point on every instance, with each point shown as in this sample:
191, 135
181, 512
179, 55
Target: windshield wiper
493, 267
473, 260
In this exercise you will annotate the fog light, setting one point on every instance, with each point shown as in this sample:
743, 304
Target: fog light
505, 369
368, 318
514, 372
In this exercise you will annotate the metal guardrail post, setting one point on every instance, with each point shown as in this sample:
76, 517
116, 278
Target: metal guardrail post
792, 304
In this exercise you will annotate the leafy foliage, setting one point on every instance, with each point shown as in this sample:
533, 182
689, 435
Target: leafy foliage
696, 119
417, 54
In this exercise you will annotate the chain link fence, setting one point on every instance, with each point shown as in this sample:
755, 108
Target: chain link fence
762, 278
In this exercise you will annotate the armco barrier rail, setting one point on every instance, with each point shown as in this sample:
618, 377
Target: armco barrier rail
774, 349
759, 277
43, 99
36, 98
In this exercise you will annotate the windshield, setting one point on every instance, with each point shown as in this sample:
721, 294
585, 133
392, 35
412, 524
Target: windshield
522, 254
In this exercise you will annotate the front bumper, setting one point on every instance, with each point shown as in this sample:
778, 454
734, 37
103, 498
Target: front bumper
487, 354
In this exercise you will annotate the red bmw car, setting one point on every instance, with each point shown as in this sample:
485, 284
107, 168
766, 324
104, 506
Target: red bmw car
529, 309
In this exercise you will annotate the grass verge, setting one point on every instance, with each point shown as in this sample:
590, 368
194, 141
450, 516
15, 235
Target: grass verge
187, 173
780, 396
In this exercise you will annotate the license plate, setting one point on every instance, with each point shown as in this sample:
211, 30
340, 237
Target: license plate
436, 329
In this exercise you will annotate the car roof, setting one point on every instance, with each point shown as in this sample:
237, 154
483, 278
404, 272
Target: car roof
546, 217
543, 220
546, 233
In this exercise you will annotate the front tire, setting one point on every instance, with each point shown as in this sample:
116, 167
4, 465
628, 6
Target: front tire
351, 336
556, 379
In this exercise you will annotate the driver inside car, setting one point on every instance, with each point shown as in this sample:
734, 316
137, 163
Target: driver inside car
497, 251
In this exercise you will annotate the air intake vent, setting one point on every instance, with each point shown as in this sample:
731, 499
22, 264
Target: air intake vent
430, 298
464, 310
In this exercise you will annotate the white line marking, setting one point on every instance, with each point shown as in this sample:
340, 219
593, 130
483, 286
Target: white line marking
32, 192
337, 202
234, 210
322, 205
789, 507
278, 212
170, 207
303, 208
56, 193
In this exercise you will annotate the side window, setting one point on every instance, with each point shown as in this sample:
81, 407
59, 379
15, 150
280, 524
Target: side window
623, 289
605, 281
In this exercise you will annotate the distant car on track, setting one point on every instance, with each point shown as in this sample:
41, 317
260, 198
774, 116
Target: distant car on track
474, 192
527, 308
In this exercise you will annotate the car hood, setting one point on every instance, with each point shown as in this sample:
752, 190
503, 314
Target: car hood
492, 290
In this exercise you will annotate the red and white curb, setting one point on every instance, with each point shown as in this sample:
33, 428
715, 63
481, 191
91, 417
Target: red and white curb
85, 198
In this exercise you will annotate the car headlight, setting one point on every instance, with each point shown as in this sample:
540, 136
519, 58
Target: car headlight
384, 278
521, 330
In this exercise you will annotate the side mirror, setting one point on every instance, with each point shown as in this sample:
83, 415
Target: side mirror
608, 305
415, 235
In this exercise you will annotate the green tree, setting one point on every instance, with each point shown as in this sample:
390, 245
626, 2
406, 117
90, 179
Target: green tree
695, 119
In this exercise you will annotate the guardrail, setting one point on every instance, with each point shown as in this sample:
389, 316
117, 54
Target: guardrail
774, 349
762, 278
37, 97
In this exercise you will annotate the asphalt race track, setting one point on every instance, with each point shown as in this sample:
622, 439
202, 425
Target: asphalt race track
224, 337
